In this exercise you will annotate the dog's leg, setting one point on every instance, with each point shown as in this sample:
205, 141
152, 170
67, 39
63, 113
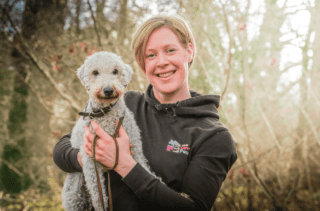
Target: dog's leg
74, 198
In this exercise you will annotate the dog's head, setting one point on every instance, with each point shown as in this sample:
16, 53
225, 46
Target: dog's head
105, 77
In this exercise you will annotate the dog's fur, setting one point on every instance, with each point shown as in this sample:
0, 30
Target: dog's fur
96, 84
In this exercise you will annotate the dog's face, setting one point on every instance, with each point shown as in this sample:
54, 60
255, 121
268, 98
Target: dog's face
105, 77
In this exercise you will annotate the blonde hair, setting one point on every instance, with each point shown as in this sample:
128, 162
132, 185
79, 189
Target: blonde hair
174, 22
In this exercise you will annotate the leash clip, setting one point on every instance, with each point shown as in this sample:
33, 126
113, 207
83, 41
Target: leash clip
102, 111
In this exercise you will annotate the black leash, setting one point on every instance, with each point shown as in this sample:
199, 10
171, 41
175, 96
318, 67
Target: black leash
106, 168
101, 113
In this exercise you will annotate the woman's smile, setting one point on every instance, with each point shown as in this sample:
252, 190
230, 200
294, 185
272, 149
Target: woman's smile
166, 75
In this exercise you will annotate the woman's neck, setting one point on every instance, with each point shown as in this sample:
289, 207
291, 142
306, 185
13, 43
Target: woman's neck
172, 97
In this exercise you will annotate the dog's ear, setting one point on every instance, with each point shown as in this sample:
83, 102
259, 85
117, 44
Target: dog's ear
80, 73
127, 74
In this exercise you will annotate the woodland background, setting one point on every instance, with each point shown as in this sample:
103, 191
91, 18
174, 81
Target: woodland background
270, 98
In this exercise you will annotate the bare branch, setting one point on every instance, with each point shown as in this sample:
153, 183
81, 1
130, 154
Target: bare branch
270, 128
293, 187
228, 65
40, 65
10, 166
205, 71
292, 65
255, 177
305, 114
255, 159
41, 101
278, 170
95, 24
230, 199
316, 161
315, 97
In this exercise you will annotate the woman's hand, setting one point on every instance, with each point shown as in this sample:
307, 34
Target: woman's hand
105, 151
79, 157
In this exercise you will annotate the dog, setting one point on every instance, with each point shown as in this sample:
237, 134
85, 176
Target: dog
105, 77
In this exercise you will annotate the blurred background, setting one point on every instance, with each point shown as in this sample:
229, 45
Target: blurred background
261, 56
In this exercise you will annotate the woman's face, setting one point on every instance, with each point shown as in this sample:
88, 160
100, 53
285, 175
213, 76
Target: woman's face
166, 63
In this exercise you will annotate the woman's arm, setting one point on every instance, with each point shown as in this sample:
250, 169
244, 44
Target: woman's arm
65, 156
203, 178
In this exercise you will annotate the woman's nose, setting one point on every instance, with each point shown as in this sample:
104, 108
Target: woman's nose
162, 60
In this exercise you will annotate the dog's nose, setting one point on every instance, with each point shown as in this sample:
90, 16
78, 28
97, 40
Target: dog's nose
108, 91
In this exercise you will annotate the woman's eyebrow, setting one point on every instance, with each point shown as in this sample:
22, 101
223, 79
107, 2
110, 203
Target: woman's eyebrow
166, 46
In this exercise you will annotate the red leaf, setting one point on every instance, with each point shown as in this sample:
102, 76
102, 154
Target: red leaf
230, 176
242, 26
71, 49
83, 46
56, 133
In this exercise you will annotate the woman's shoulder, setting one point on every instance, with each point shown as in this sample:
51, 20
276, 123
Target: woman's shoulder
133, 99
133, 95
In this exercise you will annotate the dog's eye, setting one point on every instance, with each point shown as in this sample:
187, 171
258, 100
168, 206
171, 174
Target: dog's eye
115, 71
95, 72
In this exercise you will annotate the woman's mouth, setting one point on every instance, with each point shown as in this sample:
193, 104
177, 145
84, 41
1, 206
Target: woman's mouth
165, 75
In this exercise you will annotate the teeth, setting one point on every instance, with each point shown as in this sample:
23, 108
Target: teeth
165, 75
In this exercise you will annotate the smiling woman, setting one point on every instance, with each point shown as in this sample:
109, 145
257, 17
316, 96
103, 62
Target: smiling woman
166, 56
183, 140
166, 66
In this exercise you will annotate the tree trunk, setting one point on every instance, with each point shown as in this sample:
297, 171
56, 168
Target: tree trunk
42, 20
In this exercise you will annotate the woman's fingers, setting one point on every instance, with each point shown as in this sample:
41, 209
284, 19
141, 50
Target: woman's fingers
88, 135
130, 146
88, 140
122, 133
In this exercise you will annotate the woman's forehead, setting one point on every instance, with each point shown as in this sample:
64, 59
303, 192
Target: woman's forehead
162, 37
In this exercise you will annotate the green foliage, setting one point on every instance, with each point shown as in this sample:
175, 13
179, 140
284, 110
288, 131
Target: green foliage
11, 181
33, 200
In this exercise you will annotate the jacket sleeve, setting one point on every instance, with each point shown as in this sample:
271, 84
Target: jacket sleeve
202, 181
65, 156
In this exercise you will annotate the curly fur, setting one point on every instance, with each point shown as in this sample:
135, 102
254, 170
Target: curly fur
105, 63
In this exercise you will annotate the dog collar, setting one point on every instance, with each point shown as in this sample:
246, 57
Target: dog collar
98, 113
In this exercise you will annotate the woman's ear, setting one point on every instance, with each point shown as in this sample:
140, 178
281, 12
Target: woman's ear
190, 52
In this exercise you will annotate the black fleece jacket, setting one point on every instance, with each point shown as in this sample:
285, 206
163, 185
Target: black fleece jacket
185, 144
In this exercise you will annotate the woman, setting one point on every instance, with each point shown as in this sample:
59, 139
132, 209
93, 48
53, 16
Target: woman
183, 139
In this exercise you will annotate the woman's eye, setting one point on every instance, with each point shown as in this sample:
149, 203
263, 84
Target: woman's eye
95, 72
171, 50
150, 55
115, 71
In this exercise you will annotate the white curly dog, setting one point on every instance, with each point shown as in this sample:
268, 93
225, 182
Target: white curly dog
105, 77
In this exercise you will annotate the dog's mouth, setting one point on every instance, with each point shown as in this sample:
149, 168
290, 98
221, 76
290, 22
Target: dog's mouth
108, 97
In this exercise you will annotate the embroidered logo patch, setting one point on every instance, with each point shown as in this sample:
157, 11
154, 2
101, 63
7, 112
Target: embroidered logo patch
174, 146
